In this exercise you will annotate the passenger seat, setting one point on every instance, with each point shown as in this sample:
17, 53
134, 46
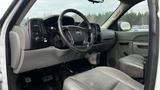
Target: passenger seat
133, 65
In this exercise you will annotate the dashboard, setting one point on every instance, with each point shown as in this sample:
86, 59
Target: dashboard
45, 33
39, 44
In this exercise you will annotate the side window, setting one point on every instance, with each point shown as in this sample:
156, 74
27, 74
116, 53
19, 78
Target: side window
138, 17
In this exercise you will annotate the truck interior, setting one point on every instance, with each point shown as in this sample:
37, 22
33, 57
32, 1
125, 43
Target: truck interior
79, 45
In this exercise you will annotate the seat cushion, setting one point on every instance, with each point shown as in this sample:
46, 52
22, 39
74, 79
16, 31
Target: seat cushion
101, 78
132, 65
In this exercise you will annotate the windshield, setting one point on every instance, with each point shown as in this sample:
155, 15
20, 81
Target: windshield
96, 13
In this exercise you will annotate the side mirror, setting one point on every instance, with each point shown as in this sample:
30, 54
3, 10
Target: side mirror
96, 1
124, 26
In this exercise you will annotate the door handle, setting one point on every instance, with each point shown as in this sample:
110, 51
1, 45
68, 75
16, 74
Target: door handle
123, 43
141, 45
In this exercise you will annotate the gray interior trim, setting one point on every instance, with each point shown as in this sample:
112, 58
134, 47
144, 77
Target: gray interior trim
40, 58
19, 40
107, 34
23, 59
130, 36
122, 7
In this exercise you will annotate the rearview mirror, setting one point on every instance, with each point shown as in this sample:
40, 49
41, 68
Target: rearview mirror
124, 26
96, 1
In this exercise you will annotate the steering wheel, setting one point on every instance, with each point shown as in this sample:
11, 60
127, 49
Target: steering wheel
78, 38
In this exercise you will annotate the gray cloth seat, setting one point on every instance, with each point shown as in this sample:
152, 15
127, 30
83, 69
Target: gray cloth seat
133, 65
102, 78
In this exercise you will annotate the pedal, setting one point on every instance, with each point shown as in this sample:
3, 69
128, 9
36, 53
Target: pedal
28, 80
47, 78
69, 70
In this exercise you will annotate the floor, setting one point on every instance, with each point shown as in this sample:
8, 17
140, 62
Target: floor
51, 78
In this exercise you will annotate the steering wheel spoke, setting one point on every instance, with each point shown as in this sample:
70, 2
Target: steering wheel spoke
69, 36
65, 28
81, 23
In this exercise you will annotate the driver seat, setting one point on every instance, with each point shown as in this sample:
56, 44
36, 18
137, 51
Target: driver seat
102, 78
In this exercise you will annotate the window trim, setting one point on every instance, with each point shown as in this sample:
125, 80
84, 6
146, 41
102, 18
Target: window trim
9, 9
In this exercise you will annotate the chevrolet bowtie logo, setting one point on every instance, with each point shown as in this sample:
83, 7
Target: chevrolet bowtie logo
79, 32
